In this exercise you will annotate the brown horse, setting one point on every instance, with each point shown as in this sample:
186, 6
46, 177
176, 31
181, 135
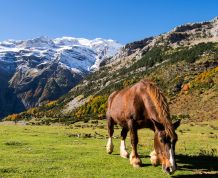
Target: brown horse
143, 106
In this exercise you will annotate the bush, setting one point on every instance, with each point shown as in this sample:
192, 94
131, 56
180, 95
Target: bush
94, 108
13, 117
205, 79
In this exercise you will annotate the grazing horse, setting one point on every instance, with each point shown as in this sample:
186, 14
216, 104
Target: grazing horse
143, 105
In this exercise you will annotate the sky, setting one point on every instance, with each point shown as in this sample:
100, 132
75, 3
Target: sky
122, 20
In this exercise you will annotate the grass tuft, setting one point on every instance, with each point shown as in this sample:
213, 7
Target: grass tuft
14, 143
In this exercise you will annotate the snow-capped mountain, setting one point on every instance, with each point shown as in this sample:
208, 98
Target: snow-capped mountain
42, 69
77, 53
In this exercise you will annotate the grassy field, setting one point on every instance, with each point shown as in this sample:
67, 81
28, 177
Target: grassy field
79, 151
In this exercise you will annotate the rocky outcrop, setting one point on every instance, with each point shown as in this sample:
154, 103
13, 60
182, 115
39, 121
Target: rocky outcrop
184, 35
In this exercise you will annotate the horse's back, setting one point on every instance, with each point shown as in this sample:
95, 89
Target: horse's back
125, 104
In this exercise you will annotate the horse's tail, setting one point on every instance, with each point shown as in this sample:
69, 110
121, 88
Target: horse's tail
160, 102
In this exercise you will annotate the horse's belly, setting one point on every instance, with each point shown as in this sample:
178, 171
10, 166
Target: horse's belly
145, 123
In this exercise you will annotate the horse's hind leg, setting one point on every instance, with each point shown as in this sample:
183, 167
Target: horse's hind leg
134, 157
123, 152
110, 146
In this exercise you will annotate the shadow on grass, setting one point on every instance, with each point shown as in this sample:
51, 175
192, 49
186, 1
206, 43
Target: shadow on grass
202, 166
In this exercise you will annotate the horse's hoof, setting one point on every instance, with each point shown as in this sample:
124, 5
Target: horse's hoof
109, 149
136, 162
136, 165
109, 152
124, 154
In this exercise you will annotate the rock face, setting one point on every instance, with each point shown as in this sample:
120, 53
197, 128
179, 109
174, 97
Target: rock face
188, 34
42, 69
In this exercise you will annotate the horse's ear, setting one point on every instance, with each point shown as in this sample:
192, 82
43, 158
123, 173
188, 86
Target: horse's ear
176, 124
158, 126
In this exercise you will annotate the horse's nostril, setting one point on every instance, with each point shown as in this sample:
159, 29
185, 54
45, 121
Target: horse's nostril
167, 169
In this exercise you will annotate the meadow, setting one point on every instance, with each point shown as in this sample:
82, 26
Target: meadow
78, 151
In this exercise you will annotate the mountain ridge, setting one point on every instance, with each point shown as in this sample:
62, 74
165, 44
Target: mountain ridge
182, 35
33, 67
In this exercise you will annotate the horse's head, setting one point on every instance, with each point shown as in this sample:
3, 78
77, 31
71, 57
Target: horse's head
164, 146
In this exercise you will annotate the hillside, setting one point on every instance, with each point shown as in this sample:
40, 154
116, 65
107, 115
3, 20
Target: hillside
183, 62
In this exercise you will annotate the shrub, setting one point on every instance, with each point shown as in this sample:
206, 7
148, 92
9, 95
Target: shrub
94, 108
205, 79
13, 117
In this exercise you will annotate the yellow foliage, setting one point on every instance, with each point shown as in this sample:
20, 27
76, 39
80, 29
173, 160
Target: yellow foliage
32, 111
204, 79
206, 74
95, 106
51, 103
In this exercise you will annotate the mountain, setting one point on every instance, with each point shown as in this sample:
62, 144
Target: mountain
185, 35
43, 69
183, 62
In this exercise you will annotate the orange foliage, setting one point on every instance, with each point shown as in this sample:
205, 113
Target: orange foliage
13, 117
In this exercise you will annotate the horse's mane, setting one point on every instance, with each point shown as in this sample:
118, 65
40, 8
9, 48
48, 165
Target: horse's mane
161, 105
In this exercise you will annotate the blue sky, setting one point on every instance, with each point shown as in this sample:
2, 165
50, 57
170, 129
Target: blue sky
121, 20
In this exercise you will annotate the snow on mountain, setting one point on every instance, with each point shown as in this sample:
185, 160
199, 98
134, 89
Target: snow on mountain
78, 57
101, 47
39, 70
76, 53
39, 43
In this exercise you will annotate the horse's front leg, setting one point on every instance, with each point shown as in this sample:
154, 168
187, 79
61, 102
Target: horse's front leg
110, 146
123, 152
154, 158
134, 157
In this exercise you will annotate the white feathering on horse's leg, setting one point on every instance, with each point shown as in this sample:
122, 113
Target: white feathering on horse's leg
154, 158
135, 161
110, 146
123, 152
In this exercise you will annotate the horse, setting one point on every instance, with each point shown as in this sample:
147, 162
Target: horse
143, 105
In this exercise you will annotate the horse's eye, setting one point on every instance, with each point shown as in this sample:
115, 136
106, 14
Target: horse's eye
162, 139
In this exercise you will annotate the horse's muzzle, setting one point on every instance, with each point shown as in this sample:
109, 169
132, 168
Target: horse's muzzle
169, 170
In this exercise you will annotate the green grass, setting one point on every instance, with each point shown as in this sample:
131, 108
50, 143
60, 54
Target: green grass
79, 151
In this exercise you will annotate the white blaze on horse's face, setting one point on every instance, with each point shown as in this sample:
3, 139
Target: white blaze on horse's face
171, 167
172, 160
